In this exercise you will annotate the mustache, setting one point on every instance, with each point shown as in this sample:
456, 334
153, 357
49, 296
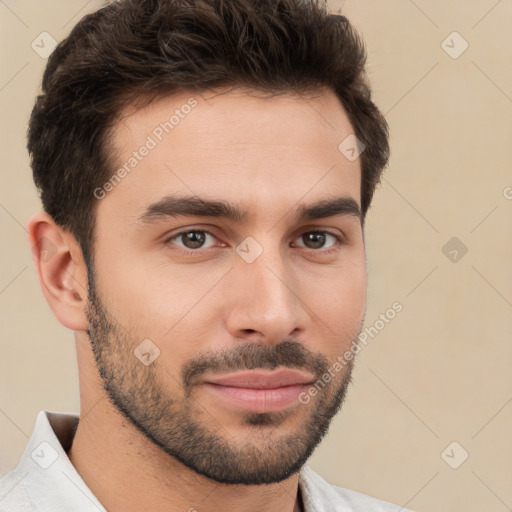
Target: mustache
250, 356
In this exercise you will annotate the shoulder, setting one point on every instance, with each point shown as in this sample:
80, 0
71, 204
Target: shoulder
13, 494
320, 495
364, 502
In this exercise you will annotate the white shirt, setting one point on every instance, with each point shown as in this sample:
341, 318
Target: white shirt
46, 481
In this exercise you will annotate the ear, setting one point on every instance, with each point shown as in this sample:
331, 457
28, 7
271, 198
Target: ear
61, 270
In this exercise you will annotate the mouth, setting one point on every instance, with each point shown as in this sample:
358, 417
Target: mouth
260, 391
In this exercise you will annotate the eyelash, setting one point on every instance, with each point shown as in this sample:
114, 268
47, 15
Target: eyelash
339, 239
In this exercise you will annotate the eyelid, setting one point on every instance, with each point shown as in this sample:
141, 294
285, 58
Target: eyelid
337, 233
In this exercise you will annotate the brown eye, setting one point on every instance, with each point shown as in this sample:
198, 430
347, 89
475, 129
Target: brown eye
317, 239
192, 239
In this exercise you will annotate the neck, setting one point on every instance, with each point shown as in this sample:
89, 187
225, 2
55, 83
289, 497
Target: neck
127, 472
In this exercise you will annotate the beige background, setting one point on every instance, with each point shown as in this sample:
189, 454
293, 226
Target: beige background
440, 370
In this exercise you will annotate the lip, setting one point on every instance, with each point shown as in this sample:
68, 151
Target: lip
259, 379
258, 391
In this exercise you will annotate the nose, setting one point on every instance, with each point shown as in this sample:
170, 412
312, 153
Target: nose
265, 301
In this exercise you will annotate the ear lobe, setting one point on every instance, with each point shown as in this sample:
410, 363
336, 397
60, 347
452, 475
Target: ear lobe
61, 270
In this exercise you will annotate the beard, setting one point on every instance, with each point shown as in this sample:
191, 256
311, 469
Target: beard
269, 453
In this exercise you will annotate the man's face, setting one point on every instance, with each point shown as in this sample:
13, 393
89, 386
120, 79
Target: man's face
207, 327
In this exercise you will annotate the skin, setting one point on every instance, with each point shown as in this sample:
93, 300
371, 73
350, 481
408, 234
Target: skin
268, 156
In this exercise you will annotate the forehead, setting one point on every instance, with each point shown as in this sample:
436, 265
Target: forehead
262, 152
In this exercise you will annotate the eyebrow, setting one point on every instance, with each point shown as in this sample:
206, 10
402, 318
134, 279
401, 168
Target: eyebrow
178, 206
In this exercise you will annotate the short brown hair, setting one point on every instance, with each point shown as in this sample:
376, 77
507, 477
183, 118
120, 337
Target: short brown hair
134, 48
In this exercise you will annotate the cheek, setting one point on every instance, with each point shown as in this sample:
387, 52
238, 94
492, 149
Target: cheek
148, 295
339, 303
